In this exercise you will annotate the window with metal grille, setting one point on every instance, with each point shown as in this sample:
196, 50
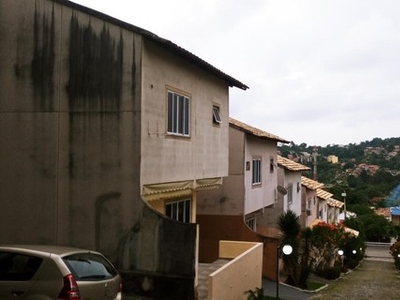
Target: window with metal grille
178, 114
179, 210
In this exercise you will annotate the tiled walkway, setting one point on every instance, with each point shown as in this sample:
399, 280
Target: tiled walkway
204, 271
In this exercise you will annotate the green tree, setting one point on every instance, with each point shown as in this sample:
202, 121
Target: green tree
288, 223
376, 227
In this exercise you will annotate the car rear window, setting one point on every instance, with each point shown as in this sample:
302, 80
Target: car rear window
89, 267
18, 267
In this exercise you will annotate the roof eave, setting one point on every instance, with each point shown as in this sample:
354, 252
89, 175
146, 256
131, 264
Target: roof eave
167, 44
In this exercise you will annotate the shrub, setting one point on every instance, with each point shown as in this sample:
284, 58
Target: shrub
332, 273
397, 264
352, 263
325, 239
257, 294
329, 273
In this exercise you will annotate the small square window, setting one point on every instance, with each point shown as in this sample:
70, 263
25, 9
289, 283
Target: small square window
251, 223
216, 115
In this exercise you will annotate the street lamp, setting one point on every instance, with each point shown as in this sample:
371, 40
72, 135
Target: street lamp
344, 200
287, 250
341, 252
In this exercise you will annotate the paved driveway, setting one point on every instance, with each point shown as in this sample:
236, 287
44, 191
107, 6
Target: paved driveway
378, 251
375, 278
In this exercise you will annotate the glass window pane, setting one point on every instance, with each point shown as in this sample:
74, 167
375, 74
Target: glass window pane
186, 117
89, 267
216, 115
175, 211
170, 112
18, 267
187, 211
168, 210
176, 114
181, 115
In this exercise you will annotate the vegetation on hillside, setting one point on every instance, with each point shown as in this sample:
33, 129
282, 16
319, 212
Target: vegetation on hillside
350, 175
369, 174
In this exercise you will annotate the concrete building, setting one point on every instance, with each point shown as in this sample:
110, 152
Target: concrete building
290, 178
334, 207
309, 200
332, 159
105, 128
237, 210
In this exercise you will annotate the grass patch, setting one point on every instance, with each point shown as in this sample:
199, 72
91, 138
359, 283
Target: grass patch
314, 285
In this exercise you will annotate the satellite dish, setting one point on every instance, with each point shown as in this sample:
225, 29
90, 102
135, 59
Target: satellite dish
281, 190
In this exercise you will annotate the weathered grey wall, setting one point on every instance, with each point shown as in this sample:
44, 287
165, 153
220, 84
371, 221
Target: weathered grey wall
70, 132
229, 198
69, 127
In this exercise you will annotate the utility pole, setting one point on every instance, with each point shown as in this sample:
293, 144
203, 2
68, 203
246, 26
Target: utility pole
344, 200
315, 154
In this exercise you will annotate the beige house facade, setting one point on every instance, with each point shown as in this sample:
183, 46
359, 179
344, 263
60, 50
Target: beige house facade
253, 177
237, 210
310, 201
108, 133
318, 203
292, 172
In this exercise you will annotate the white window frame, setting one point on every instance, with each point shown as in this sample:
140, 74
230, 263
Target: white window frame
290, 194
216, 115
251, 223
178, 114
309, 201
256, 171
180, 210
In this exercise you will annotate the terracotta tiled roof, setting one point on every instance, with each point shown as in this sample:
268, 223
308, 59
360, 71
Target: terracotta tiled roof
383, 211
311, 184
324, 194
335, 203
290, 164
255, 131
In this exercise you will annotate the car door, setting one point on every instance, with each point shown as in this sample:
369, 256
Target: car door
18, 273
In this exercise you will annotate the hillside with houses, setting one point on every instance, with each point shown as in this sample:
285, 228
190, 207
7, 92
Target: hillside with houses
371, 166
368, 174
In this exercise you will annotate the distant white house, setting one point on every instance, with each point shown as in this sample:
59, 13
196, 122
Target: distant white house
349, 214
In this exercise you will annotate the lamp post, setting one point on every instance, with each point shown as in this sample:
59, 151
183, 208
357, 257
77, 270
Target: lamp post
287, 250
341, 252
344, 200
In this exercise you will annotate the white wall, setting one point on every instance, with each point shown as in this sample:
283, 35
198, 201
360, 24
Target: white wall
259, 196
293, 180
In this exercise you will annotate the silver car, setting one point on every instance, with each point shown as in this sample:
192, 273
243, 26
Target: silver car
52, 272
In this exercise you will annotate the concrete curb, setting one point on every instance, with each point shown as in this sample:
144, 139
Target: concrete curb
305, 291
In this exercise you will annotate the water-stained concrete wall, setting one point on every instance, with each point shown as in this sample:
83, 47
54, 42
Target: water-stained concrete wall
70, 132
70, 127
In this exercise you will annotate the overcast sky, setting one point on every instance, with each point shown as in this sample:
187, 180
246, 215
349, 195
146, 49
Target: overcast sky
319, 71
